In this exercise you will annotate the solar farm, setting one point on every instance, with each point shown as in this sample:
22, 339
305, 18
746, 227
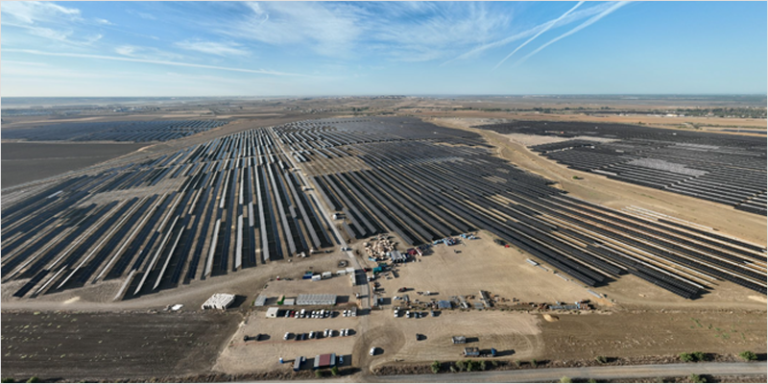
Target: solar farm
208, 210
726, 169
133, 131
240, 201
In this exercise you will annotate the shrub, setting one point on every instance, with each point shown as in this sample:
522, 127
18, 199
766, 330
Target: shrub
601, 359
700, 356
565, 379
494, 363
591, 381
483, 365
453, 369
8, 380
518, 363
435, 366
318, 374
687, 357
335, 371
748, 355
534, 363
460, 365
696, 378
33, 379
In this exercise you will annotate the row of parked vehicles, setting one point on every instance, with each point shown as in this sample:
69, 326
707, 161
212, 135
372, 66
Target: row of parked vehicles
317, 335
415, 315
317, 314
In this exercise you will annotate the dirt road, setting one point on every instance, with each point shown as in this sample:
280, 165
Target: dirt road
597, 373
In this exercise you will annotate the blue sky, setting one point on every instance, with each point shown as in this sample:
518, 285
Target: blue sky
332, 48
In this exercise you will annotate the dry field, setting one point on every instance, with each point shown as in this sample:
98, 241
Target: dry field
24, 162
642, 333
74, 345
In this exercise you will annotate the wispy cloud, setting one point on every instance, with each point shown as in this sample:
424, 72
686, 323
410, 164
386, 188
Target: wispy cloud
149, 61
31, 12
147, 53
143, 15
213, 48
403, 31
427, 33
594, 19
546, 28
328, 28
49, 21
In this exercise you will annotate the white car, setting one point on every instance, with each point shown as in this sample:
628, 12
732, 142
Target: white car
373, 351
312, 335
287, 335
327, 333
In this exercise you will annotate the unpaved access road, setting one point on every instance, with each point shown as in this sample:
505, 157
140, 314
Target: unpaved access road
597, 373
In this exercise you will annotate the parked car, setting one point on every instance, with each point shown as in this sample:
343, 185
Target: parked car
373, 351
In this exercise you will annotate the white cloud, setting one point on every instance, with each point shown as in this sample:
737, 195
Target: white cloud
143, 15
49, 33
147, 53
213, 48
150, 61
104, 22
126, 50
31, 12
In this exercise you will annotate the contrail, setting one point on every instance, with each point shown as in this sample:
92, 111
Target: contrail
546, 28
577, 15
578, 28
160, 62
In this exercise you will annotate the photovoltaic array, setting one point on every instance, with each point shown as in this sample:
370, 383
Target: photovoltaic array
249, 198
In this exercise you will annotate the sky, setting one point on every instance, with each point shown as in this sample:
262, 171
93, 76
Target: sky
157, 49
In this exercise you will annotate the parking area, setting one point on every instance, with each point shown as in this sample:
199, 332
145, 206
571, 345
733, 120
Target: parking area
247, 356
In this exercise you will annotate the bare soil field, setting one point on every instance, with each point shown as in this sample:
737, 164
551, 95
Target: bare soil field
73, 345
616, 194
24, 162
638, 333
